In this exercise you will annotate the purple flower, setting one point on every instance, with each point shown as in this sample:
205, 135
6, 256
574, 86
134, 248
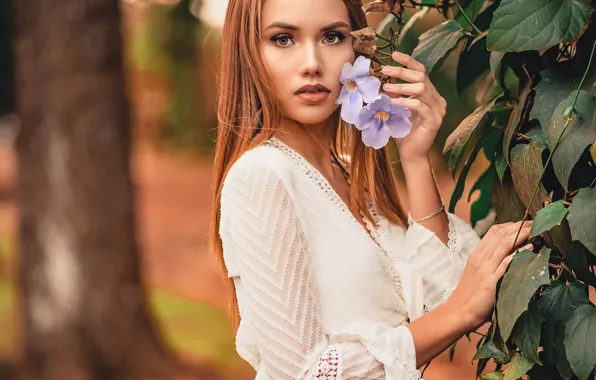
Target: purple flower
358, 87
382, 119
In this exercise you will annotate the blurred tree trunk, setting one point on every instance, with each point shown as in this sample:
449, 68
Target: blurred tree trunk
84, 307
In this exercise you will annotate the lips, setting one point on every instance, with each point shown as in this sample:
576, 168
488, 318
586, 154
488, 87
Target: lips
312, 89
313, 94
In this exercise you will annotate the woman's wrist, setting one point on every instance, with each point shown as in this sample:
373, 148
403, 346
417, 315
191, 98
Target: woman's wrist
414, 163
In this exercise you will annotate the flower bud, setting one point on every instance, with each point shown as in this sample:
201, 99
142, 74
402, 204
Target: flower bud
364, 41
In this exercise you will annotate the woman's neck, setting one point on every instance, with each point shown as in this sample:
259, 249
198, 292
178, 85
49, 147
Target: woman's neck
312, 141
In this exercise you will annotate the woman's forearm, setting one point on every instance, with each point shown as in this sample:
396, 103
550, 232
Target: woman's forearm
424, 198
436, 331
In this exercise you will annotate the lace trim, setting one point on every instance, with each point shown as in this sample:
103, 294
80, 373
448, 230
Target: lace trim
329, 365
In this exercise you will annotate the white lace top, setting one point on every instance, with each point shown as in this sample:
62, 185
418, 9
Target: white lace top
318, 296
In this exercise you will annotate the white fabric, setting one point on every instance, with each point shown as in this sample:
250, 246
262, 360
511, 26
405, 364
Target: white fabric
319, 298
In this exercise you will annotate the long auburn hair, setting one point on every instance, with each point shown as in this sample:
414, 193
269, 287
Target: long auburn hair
249, 110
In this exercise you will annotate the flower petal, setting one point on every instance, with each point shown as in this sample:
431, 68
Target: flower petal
351, 108
369, 88
376, 139
365, 118
361, 67
399, 110
343, 95
346, 72
398, 126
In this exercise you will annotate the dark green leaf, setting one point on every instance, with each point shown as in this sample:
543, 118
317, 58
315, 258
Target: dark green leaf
437, 42
461, 180
582, 218
520, 25
490, 350
559, 297
492, 376
528, 271
537, 135
548, 217
552, 89
553, 335
518, 367
457, 144
472, 9
496, 60
473, 61
580, 133
526, 170
481, 207
506, 202
526, 334
514, 120
500, 165
580, 340
574, 252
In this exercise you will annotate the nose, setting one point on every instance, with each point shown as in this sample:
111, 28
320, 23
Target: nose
312, 65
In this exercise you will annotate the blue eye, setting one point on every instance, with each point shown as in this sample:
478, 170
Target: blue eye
282, 40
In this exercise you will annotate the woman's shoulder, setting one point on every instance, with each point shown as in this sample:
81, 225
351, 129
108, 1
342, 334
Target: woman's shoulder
261, 167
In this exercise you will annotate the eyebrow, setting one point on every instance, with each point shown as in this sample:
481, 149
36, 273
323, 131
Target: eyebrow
285, 25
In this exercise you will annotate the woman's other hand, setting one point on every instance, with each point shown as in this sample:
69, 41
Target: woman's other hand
475, 294
422, 98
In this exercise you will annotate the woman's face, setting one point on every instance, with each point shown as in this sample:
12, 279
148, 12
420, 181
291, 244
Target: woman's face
305, 44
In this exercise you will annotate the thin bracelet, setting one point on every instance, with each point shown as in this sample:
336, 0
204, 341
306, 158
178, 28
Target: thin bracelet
412, 221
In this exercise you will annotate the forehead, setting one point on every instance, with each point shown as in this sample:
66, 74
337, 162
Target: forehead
304, 13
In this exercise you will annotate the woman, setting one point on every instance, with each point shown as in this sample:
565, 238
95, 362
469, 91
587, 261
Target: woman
332, 280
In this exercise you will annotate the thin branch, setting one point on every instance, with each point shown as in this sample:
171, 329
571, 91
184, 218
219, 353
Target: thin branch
461, 9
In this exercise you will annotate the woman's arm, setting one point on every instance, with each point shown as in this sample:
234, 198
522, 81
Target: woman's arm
423, 196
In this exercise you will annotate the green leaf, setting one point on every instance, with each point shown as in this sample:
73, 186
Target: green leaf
528, 271
492, 376
526, 170
580, 133
461, 180
467, 133
537, 135
552, 89
580, 340
506, 202
496, 62
500, 165
472, 9
526, 334
518, 367
514, 120
436, 43
573, 251
481, 207
520, 25
582, 218
559, 297
490, 350
473, 61
548, 217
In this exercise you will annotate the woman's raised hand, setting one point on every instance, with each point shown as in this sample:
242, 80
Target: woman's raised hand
475, 294
422, 98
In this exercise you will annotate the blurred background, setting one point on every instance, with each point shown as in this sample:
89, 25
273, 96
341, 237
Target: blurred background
170, 61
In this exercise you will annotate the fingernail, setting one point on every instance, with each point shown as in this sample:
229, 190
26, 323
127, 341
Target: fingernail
397, 54
385, 70
529, 247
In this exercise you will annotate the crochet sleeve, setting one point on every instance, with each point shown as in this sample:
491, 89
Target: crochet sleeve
266, 254
433, 269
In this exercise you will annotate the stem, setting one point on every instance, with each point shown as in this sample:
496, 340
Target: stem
468, 18
550, 156
383, 38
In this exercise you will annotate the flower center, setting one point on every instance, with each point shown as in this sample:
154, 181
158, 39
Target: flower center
382, 115
351, 85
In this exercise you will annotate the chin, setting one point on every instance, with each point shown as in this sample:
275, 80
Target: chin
313, 114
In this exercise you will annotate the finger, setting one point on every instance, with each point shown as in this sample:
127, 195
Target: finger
502, 268
408, 61
403, 73
418, 90
416, 105
506, 246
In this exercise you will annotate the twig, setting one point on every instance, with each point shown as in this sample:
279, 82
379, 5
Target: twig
467, 18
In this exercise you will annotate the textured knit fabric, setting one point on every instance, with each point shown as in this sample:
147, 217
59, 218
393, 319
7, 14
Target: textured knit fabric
320, 297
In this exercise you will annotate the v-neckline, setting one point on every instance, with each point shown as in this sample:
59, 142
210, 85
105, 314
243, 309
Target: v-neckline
322, 181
